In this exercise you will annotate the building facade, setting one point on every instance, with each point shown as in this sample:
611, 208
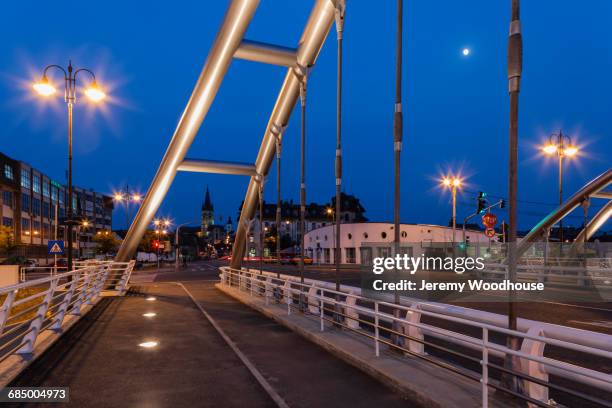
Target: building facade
34, 207
360, 242
317, 216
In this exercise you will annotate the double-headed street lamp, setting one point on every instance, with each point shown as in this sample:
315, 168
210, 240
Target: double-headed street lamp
453, 183
45, 88
127, 197
561, 145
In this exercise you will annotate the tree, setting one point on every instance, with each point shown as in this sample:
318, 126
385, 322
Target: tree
146, 243
7, 238
106, 242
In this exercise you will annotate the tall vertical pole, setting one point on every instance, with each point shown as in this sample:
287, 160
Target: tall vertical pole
339, 16
454, 194
398, 129
515, 66
303, 81
560, 153
69, 214
127, 208
278, 197
262, 232
55, 231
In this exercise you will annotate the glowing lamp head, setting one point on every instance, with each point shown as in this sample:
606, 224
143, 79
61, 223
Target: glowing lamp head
156, 222
570, 151
94, 93
456, 182
136, 197
447, 182
85, 223
44, 87
118, 197
550, 149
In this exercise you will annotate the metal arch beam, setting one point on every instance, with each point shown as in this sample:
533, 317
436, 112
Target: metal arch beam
316, 30
217, 167
267, 53
231, 33
595, 223
603, 194
591, 188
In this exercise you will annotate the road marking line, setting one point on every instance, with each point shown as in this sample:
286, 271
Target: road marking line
258, 376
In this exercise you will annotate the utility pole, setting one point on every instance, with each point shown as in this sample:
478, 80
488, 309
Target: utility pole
340, 10
515, 62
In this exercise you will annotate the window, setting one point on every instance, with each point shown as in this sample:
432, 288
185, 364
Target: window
25, 225
45, 231
366, 255
36, 183
404, 234
45, 189
36, 206
54, 193
25, 178
350, 236
383, 235
350, 255
62, 197
45, 209
8, 172
7, 222
25, 203
365, 235
7, 198
36, 227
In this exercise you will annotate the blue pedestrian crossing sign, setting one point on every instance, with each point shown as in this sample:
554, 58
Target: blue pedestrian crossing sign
55, 247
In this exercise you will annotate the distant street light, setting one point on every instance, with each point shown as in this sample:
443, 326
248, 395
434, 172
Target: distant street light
160, 230
126, 196
453, 182
45, 88
561, 145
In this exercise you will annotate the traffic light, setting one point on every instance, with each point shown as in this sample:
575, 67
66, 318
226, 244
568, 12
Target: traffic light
502, 203
155, 244
482, 202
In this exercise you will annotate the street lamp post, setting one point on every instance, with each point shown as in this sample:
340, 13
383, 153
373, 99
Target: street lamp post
126, 197
453, 183
45, 88
561, 145
160, 229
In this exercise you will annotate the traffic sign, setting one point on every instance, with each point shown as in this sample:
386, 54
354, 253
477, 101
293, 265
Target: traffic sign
55, 247
489, 220
490, 232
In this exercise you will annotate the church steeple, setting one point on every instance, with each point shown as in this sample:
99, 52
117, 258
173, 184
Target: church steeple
208, 217
207, 205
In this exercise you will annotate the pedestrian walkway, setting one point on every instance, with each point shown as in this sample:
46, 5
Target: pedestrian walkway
191, 364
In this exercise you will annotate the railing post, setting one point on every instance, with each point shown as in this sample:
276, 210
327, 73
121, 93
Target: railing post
321, 312
414, 317
34, 329
376, 329
312, 300
59, 318
76, 308
533, 368
288, 295
5, 311
351, 312
125, 277
485, 367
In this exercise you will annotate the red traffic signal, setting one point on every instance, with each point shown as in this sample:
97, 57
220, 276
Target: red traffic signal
155, 244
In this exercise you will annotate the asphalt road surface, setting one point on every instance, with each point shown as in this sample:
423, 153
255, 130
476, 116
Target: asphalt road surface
586, 316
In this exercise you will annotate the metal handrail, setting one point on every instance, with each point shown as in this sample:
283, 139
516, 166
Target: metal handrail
314, 295
54, 297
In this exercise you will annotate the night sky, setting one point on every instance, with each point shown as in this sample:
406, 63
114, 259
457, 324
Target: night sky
456, 108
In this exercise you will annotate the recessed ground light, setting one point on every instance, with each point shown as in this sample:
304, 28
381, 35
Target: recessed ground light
150, 314
148, 344
151, 298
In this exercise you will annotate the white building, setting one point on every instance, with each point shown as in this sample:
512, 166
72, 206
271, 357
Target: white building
360, 242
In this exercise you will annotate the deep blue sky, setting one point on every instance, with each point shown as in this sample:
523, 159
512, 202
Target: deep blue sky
456, 108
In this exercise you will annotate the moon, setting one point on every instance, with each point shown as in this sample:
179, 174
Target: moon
466, 52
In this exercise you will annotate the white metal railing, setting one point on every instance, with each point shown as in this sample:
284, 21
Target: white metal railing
37, 272
594, 274
30, 308
382, 320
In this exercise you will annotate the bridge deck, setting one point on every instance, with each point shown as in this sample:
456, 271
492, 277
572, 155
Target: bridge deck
101, 362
